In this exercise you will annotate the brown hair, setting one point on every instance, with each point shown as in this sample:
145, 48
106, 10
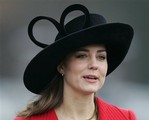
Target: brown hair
48, 99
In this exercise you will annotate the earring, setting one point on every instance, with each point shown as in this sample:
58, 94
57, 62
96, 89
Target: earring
62, 74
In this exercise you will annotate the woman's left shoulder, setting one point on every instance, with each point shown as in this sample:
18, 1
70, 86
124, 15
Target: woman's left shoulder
126, 113
19, 118
113, 112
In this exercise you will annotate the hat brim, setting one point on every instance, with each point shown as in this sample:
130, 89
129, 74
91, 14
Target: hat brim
42, 68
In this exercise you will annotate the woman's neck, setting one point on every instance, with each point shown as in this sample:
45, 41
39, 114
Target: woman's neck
76, 107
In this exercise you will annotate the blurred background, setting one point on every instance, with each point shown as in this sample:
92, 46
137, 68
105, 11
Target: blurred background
126, 87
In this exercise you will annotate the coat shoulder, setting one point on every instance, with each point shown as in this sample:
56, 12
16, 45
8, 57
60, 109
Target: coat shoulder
113, 112
19, 118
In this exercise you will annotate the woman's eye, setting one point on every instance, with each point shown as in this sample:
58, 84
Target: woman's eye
101, 57
81, 56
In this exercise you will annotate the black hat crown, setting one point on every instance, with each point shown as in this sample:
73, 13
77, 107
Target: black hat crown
79, 23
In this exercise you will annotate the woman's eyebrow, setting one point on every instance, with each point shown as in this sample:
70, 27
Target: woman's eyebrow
102, 50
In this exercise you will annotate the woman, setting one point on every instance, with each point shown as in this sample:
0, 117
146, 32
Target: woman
68, 73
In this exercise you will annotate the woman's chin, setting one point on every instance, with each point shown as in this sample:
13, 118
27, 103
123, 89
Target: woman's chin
91, 91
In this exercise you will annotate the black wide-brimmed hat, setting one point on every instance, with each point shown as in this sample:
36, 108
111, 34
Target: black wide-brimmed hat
86, 29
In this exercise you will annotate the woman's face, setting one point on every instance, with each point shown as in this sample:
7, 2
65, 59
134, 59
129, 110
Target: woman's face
85, 69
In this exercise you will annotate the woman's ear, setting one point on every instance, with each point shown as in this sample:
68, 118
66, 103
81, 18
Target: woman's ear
60, 68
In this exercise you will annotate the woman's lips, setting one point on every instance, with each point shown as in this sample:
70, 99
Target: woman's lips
91, 78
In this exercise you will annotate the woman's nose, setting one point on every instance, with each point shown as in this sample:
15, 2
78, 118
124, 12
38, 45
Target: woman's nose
93, 64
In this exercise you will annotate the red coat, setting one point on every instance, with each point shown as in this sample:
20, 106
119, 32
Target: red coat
106, 112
